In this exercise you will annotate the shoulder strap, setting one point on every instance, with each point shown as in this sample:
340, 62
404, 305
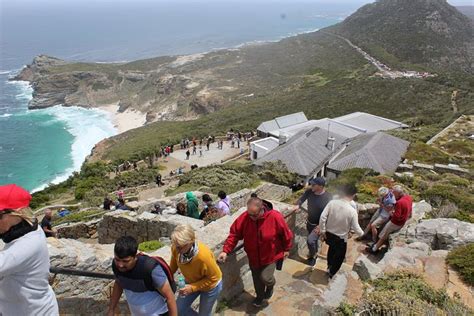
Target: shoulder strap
150, 265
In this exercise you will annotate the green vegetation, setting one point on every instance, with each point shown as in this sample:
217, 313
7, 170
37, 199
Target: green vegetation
233, 177
93, 183
422, 152
150, 246
462, 259
81, 216
403, 291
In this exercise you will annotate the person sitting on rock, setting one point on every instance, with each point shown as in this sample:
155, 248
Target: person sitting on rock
121, 205
386, 201
401, 214
24, 260
198, 266
107, 203
143, 280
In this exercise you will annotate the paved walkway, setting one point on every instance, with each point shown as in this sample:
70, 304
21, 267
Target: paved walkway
213, 156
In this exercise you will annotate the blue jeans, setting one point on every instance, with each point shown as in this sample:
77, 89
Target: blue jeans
206, 302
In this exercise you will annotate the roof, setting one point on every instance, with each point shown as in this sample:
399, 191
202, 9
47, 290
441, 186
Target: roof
268, 142
305, 152
377, 151
282, 122
369, 122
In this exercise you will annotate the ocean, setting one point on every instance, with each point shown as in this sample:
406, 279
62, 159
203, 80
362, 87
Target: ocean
45, 146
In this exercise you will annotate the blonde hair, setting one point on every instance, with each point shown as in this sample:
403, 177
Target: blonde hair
182, 235
383, 191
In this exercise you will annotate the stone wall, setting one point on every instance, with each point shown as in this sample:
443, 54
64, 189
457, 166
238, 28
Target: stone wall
79, 230
143, 227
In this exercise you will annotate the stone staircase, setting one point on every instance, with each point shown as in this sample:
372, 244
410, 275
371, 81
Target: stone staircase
300, 286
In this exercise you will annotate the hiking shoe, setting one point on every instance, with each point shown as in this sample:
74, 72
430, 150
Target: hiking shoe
268, 293
258, 302
311, 262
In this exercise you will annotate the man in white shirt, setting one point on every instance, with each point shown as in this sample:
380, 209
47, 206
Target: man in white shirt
337, 220
24, 261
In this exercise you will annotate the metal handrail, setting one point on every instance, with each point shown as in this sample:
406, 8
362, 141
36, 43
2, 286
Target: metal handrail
98, 275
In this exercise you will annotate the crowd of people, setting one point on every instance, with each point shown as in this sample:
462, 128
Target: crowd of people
148, 282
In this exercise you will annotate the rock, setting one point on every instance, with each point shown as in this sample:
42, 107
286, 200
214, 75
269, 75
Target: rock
420, 209
440, 233
366, 269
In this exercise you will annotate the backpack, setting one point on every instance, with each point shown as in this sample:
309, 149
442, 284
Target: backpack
150, 265
146, 273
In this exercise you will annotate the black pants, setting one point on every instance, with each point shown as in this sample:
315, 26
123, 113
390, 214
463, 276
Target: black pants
336, 252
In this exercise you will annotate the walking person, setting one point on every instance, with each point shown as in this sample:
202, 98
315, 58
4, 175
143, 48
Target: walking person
144, 281
192, 207
188, 153
194, 149
198, 265
24, 260
224, 203
158, 179
337, 220
267, 240
317, 198
46, 224
200, 151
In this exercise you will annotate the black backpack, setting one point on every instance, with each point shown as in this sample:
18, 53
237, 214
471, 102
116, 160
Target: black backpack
150, 263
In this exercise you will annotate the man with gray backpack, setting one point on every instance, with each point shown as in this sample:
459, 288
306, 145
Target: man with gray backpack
147, 281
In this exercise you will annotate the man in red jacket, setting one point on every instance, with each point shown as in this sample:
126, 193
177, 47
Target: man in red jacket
267, 240
400, 215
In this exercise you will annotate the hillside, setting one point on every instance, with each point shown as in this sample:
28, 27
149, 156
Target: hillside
467, 10
318, 73
431, 33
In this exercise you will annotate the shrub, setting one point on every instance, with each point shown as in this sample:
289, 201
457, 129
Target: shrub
428, 154
80, 216
150, 246
462, 259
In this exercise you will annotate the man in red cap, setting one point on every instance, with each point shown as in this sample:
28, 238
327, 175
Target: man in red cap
24, 260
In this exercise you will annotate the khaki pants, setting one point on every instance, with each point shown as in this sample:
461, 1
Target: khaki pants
263, 278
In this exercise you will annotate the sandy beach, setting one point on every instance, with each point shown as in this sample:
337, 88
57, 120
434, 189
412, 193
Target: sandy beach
127, 120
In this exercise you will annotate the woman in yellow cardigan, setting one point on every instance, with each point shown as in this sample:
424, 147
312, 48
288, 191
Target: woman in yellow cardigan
200, 270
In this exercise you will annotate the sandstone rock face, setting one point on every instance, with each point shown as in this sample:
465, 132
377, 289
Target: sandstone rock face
78, 230
81, 295
366, 269
440, 233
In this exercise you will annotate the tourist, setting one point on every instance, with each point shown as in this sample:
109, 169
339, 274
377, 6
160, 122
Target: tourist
158, 179
107, 203
267, 240
46, 224
188, 153
144, 281
24, 260
267, 205
386, 200
200, 151
181, 209
120, 193
400, 215
317, 198
198, 266
238, 142
192, 206
295, 187
207, 145
121, 205
337, 220
224, 203
207, 200
194, 149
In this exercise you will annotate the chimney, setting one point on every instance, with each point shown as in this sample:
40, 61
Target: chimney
330, 143
282, 138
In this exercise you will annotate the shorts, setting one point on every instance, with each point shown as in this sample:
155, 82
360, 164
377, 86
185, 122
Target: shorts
389, 229
380, 221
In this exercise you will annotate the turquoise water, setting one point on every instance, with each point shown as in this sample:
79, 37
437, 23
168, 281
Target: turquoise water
43, 146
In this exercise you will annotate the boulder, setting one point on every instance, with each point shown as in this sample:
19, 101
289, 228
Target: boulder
366, 269
420, 209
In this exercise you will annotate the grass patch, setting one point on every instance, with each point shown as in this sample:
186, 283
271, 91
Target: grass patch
462, 259
150, 246
403, 291
76, 217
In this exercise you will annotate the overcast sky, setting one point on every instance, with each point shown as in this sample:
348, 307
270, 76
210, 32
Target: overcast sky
453, 2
